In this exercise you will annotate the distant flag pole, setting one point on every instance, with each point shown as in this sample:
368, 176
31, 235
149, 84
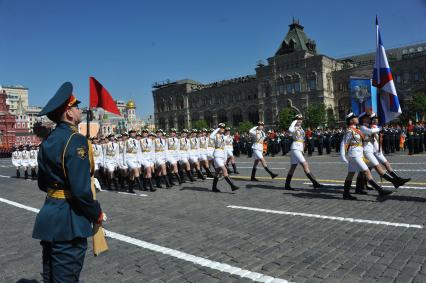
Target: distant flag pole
388, 103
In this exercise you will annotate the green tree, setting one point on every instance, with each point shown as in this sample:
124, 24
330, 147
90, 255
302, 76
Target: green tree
199, 124
331, 119
244, 127
286, 117
418, 104
315, 115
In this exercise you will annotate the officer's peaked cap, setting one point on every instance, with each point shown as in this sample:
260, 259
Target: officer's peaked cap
63, 97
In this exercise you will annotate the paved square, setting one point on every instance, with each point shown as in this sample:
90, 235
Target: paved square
260, 232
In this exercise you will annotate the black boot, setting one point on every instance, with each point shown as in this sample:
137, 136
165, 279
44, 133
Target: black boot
171, 179
157, 182
208, 172
382, 192
131, 183
26, 174
253, 175
151, 188
109, 183
214, 187
273, 175
346, 191
18, 173
287, 183
138, 183
115, 182
395, 182
314, 181
166, 181
234, 166
200, 175
233, 186
401, 180
359, 189
144, 183
33, 174
178, 178
188, 173
227, 169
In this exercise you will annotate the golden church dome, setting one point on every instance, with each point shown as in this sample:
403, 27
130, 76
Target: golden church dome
131, 104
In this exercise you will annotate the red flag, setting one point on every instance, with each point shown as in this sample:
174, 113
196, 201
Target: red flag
100, 97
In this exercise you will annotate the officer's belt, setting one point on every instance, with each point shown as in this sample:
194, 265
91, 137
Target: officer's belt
146, 150
299, 141
59, 194
411, 133
159, 150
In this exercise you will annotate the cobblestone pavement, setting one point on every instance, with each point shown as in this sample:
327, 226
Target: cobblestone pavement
304, 235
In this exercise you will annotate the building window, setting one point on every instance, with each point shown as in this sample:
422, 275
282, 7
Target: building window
18, 125
297, 86
312, 84
17, 139
289, 88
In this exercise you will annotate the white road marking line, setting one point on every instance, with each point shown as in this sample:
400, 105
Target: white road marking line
384, 186
327, 162
273, 168
124, 193
395, 224
411, 170
222, 267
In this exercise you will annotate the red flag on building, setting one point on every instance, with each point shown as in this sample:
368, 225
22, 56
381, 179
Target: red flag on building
100, 97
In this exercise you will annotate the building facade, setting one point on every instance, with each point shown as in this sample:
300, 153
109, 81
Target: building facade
296, 72
7, 123
16, 95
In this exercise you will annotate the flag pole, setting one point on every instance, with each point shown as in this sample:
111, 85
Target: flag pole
88, 114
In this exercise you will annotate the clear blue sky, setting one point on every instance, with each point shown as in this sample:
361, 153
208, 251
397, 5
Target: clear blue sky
128, 45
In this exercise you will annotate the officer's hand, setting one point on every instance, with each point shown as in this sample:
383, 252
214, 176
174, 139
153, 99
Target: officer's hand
102, 217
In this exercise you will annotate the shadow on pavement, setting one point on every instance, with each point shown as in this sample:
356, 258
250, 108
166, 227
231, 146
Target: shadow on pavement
26, 281
204, 190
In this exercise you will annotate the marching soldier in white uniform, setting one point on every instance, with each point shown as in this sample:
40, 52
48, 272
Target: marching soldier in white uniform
132, 159
17, 160
33, 161
210, 148
184, 149
98, 156
111, 160
297, 148
378, 153
368, 148
352, 144
25, 155
160, 159
194, 153
220, 158
229, 147
122, 164
203, 152
259, 137
147, 161
173, 155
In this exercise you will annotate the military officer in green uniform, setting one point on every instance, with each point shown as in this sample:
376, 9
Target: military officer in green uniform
65, 221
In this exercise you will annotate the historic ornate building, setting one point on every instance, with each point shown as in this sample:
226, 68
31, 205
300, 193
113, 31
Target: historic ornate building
296, 72
7, 123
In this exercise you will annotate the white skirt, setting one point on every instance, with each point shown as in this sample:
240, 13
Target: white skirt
257, 154
133, 163
219, 162
297, 157
380, 157
372, 160
17, 163
356, 164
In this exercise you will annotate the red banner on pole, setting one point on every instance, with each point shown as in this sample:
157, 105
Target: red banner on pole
100, 97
